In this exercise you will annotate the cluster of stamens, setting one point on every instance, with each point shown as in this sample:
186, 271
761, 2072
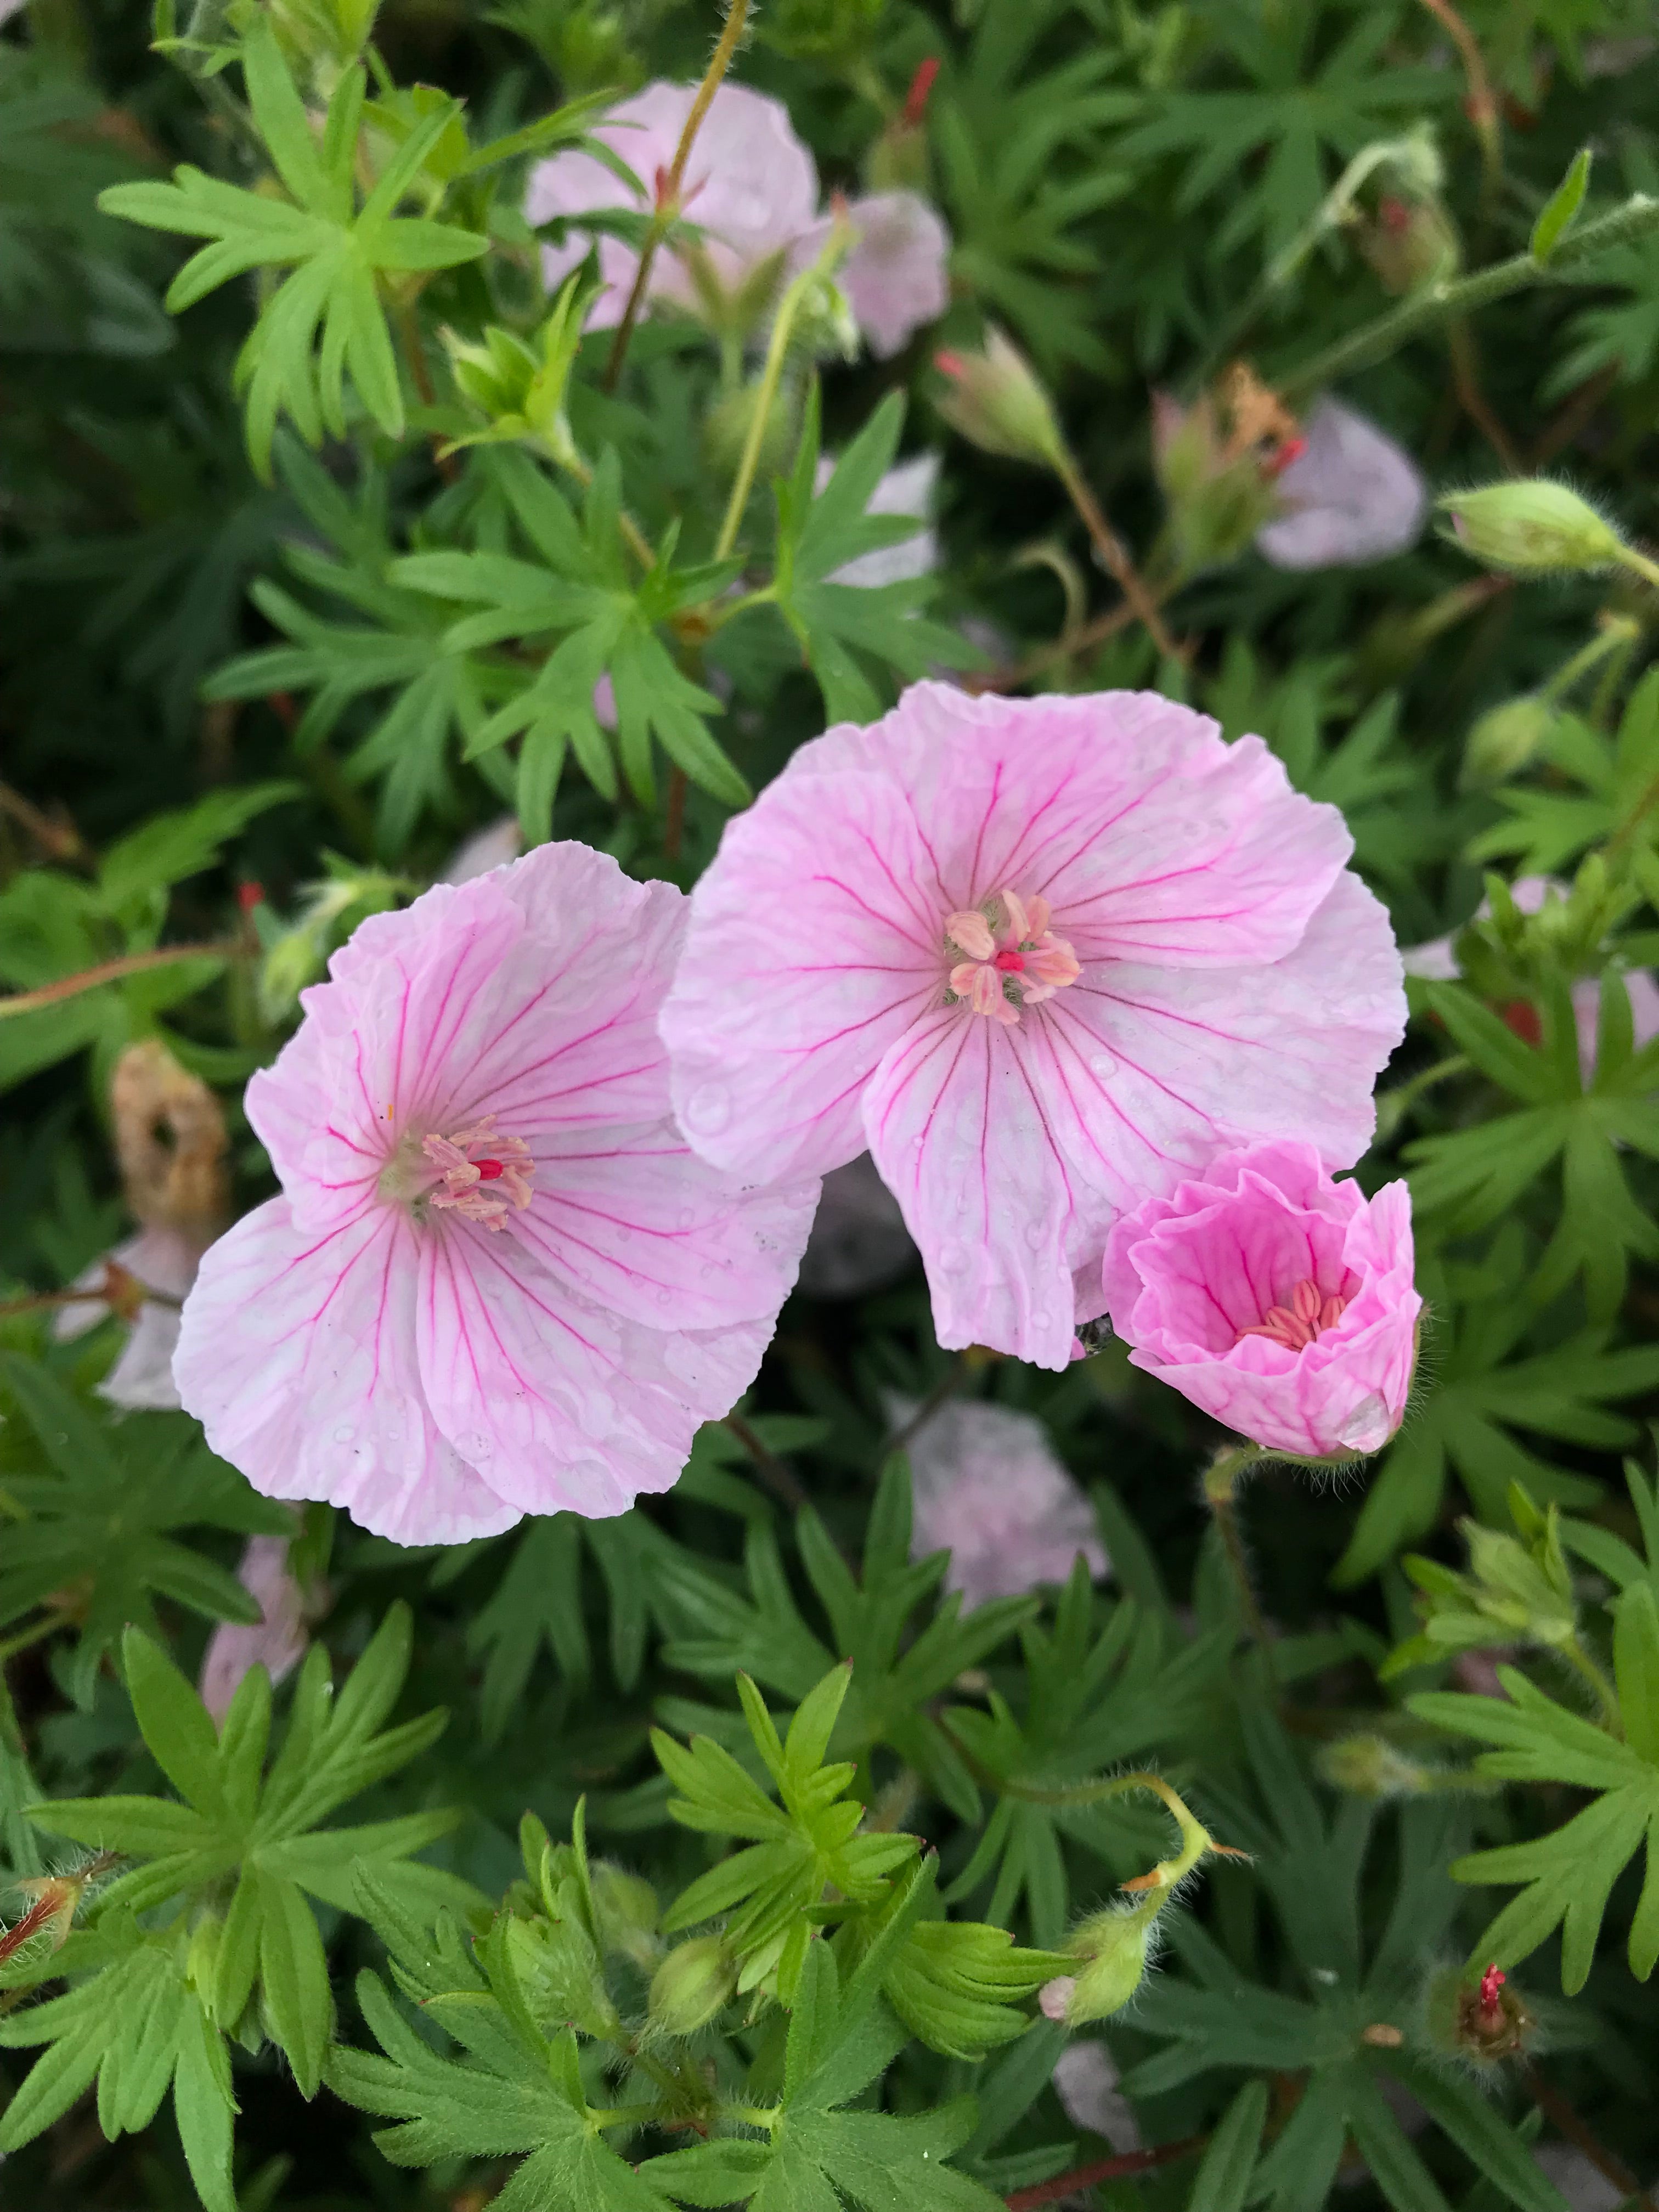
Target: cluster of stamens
483, 1189
1010, 957
1300, 1323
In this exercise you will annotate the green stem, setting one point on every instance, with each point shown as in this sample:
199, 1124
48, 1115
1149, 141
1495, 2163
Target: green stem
1638, 564
1582, 1665
1221, 1480
1617, 631
668, 198
777, 352
1434, 302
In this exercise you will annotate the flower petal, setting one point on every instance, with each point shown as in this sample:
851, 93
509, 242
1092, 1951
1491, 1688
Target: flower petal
319, 1396
816, 939
569, 1407
634, 1219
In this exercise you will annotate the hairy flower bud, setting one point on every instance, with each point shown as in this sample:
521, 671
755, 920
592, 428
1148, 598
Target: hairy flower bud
1367, 1765
1484, 2022
1532, 528
691, 1984
1114, 1946
1505, 739
626, 1910
995, 401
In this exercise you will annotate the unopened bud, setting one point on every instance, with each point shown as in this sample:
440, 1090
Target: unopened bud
1532, 528
897, 161
1409, 242
1506, 740
1485, 2022
1112, 1946
994, 400
626, 1910
691, 1984
1367, 1765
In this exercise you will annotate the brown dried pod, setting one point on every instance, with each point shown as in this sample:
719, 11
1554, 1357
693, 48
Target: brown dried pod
170, 1143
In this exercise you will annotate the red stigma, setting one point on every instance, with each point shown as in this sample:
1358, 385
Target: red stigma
949, 364
1011, 962
1491, 1982
1291, 450
915, 100
1396, 217
489, 1171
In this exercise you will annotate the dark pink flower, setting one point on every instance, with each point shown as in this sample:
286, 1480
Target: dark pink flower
497, 1281
1184, 964
1280, 1301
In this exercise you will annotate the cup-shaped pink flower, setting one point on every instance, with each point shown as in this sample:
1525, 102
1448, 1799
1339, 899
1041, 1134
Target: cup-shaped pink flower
750, 186
1041, 958
1278, 1300
1350, 496
497, 1281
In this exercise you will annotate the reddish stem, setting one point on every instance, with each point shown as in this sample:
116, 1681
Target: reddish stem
1103, 2169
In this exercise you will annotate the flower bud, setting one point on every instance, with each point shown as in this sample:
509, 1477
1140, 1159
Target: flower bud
1485, 2023
897, 162
1367, 1765
995, 401
1114, 1946
1504, 740
691, 1984
1531, 528
1407, 242
626, 1910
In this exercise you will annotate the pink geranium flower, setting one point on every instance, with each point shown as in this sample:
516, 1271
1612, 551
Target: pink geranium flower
750, 186
1350, 496
1277, 1300
497, 1281
1184, 962
987, 1488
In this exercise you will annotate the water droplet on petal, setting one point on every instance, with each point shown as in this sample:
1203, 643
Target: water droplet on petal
708, 1110
685, 1217
344, 1433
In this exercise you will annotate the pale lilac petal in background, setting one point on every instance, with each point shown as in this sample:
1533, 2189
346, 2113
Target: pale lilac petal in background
161, 1259
987, 1486
1582, 2182
896, 274
1217, 976
750, 186
491, 847
1352, 496
497, 1281
1277, 1300
276, 1642
859, 1240
907, 490
1086, 2082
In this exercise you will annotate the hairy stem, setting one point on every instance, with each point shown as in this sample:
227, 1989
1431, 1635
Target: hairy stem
1102, 2169
781, 1479
1482, 106
1115, 556
1435, 302
668, 194
1221, 1481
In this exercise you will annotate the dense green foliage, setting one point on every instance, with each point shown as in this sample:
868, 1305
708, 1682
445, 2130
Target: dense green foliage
713, 1855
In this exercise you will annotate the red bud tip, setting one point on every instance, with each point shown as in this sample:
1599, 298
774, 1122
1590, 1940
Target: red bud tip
1491, 1982
1279, 461
660, 180
1396, 216
951, 365
248, 895
915, 100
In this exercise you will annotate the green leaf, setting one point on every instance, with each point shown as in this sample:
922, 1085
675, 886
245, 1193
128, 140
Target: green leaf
1561, 210
1223, 2179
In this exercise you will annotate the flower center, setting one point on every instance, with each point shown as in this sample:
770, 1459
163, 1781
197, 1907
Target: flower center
1006, 938
1302, 1322
448, 1173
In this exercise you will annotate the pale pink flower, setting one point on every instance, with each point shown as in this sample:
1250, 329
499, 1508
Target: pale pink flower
1351, 495
859, 1240
1277, 1300
986, 1486
1232, 980
159, 1258
895, 274
750, 186
1437, 962
497, 1281
276, 1642
1086, 2083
